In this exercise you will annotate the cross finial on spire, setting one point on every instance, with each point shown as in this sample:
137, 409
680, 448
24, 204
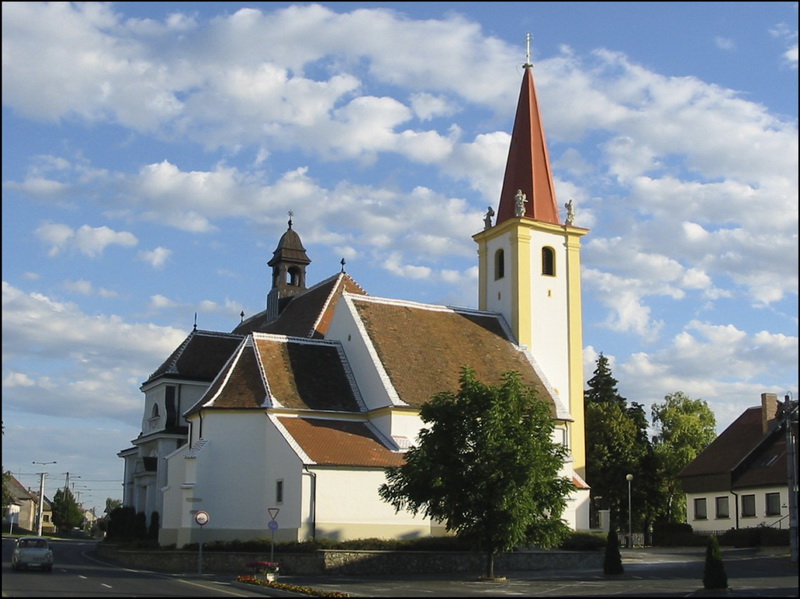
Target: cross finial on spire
527, 51
291, 214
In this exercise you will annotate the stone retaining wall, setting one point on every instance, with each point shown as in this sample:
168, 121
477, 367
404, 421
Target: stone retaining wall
330, 561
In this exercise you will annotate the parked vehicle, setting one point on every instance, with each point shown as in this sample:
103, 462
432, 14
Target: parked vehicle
32, 552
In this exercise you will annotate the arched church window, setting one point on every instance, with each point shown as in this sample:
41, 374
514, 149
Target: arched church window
548, 261
154, 411
499, 264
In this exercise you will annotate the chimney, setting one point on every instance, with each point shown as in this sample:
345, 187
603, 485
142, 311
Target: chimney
769, 407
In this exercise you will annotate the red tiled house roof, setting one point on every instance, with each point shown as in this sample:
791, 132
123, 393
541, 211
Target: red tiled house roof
743, 455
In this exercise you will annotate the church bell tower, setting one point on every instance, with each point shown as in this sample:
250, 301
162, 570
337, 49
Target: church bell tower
288, 263
529, 264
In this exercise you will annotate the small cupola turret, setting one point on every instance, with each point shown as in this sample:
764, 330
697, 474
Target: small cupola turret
288, 263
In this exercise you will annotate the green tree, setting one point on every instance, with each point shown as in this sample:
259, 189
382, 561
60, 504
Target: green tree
603, 386
617, 444
6, 491
684, 427
112, 504
612, 560
486, 466
714, 576
67, 514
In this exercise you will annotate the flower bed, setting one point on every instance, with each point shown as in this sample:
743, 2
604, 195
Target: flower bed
289, 587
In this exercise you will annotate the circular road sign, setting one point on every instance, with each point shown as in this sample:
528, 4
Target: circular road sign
273, 525
202, 518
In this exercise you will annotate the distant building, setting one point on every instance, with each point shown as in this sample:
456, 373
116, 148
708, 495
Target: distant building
741, 479
28, 503
296, 413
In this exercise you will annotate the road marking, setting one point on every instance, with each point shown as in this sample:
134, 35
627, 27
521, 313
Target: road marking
215, 587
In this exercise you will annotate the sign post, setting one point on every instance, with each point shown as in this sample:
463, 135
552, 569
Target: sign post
273, 526
202, 519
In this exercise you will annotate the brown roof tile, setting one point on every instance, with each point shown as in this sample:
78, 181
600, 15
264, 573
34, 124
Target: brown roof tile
301, 374
742, 455
200, 357
340, 443
307, 314
423, 348
730, 447
308, 375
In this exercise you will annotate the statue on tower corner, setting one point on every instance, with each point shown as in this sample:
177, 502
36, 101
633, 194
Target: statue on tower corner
570, 212
519, 205
487, 220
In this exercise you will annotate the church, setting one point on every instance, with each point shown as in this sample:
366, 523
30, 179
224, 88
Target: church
285, 425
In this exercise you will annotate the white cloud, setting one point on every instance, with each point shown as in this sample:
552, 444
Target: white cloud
724, 43
90, 241
156, 258
95, 363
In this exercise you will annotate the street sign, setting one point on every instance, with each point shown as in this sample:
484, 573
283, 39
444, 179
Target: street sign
202, 518
273, 525
273, 512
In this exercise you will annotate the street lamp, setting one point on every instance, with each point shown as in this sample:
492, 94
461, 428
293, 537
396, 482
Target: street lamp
629, 478
41, 497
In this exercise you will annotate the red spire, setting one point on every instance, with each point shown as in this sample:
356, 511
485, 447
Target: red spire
528, 165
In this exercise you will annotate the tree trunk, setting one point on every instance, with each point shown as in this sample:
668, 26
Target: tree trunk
490, 564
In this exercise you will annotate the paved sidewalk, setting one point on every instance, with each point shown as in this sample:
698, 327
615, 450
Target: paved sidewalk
674, 572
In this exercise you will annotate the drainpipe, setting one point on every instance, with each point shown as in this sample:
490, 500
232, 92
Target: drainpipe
313, 502
736, 507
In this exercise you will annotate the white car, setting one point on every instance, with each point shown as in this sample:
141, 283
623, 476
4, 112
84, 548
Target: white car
32, 552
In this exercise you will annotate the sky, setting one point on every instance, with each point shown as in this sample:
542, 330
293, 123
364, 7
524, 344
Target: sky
151, 153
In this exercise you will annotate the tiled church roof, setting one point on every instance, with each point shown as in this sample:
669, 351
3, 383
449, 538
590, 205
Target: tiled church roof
340, 443
200, 357
308, 314
423, 348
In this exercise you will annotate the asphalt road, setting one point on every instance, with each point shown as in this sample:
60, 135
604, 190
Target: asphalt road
677, 572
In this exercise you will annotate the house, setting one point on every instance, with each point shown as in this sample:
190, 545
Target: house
741, 479
27, 503
287, 423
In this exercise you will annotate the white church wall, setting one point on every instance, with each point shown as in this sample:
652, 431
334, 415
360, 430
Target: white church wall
349, 507
345, 328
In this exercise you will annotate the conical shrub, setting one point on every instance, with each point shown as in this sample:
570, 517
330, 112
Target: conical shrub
612, 564
714, 576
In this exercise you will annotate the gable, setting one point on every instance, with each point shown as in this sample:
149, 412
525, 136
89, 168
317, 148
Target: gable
285, 372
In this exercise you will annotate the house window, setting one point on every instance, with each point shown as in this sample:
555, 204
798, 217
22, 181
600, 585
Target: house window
279, 491
773, 504
700, 508
499, 264
722, 507
748, 506
548, 261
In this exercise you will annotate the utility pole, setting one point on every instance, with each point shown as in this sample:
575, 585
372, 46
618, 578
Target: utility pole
41, 498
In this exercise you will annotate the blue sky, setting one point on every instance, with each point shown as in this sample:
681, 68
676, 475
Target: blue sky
152, 151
